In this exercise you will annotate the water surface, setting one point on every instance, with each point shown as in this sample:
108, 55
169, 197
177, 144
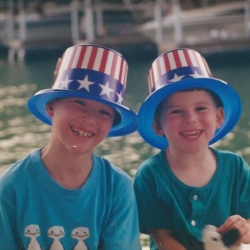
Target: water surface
21, 133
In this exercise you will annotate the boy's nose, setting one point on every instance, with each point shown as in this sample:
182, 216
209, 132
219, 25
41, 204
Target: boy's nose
190, 116
90, 114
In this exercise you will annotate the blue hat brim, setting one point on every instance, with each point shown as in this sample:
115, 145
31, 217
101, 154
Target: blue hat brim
228, 96
37, 106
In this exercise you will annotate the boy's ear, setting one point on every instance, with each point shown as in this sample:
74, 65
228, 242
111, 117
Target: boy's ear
50, 106
220, 117
157, 127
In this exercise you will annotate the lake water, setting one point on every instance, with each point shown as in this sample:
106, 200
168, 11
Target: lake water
21, 133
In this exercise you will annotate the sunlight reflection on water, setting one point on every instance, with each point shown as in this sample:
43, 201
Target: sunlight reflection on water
21, 133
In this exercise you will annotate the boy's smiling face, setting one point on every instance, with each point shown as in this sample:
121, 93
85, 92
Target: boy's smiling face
79, 124
189, 120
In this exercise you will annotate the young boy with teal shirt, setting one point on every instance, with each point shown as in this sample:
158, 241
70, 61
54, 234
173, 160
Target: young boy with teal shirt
64, 196
189, 184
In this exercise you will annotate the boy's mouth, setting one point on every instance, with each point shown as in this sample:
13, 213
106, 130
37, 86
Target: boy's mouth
82, 133
191, 134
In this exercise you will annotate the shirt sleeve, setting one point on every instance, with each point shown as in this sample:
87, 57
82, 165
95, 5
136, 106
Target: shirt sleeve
9, 239
244, 200
122, 229
153, 213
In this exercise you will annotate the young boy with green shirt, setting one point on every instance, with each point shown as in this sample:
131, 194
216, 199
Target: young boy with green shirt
189, 184
63, 196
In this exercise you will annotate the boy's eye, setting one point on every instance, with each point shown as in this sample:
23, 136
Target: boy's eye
200, 108
176, 111
104, 112
80, 102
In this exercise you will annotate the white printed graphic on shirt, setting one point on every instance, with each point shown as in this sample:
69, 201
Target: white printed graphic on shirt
56, 233
80, 233
32, 231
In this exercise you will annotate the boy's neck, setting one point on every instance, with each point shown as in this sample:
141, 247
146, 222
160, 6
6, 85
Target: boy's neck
69, 170
192, 169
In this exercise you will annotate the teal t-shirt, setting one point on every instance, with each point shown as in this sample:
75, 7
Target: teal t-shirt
37, 213
164, 202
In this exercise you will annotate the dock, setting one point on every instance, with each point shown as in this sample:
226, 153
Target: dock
144, 28
58, 27
220, 27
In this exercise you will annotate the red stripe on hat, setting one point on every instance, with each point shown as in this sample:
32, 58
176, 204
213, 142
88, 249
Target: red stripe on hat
121, 70
72, 58
124, 82
166, 62
207, 67
150, 82
157, 71
81, 56
177, 59
92, 58
104, 60
113, 66
186, 53
203, 65
152, 78
197, 57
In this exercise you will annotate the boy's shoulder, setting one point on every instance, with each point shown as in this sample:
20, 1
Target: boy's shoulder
231, 161
109, 169
19, 171
226, 155
20, 164
154, 163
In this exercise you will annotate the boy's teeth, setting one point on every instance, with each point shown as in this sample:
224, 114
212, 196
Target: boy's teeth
81, 133
192, 134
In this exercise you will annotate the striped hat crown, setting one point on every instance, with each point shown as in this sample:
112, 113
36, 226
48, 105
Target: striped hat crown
177, 65
90, 72
93, 70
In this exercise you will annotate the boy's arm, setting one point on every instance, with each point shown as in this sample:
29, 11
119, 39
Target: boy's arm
238, 222
8, 235
248, 235
122, 229
164, 240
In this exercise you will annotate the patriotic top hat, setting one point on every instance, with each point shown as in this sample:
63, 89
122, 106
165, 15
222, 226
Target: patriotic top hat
178, 70
91, 72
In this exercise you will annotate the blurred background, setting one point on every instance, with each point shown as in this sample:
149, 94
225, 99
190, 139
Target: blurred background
34, 33
134, 25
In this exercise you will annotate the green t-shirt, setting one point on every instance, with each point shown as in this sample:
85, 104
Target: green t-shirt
164, 202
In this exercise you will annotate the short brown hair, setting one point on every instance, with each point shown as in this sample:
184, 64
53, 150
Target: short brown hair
218, 102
